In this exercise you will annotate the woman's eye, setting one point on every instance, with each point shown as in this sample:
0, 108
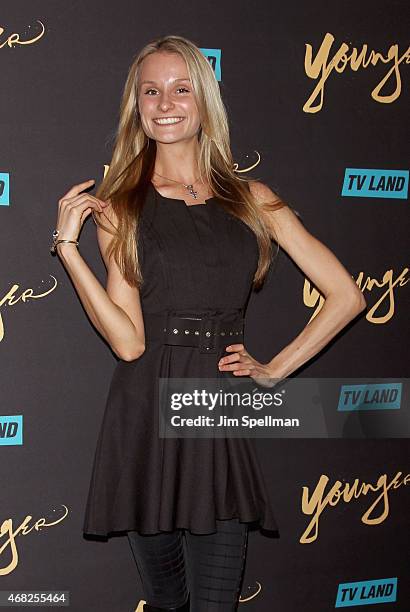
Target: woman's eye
179, 88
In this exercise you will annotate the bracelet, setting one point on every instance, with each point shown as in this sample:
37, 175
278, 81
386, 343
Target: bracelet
56, 242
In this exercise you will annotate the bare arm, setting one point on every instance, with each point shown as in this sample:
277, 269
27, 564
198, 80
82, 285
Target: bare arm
114, 311
343, 299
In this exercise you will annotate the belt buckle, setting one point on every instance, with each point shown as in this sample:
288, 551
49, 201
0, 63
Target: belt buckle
208, 332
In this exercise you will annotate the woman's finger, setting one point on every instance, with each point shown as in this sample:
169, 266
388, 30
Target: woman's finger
72, 214
229, 358
237, 365
235, 347
76, 189
234, 357
80, 199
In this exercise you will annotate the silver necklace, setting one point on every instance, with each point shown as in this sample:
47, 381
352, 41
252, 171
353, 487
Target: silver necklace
189, 187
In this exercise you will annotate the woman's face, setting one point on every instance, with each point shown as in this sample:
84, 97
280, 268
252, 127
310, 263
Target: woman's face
165, 92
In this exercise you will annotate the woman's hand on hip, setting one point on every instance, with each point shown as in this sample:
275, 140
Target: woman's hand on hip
241, 363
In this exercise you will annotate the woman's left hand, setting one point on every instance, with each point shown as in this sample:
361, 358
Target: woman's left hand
241, 363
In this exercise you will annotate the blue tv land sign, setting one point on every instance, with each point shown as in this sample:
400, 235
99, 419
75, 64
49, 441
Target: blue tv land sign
214, 58
11, 430
370, 396
376, 183
367, 592
4, 189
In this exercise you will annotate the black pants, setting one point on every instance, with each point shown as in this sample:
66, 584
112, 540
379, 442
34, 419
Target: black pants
208, 568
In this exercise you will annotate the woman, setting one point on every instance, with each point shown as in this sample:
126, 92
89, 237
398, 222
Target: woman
184, 239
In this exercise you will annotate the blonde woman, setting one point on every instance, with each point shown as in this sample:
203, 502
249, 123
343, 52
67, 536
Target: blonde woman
184, 239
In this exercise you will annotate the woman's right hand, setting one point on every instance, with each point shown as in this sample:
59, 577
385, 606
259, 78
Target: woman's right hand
73, 208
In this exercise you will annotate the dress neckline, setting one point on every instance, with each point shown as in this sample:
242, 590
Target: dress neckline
179, 200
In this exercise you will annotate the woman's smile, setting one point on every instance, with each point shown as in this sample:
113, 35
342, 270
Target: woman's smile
168, 120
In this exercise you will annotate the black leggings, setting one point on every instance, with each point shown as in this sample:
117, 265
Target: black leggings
208, 568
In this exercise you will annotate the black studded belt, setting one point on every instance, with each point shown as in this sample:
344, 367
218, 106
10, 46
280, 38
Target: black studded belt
207, 333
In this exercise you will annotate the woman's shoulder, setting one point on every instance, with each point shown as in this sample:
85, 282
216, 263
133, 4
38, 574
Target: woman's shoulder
263, 194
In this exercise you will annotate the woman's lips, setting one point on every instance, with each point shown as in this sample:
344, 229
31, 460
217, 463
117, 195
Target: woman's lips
168, 120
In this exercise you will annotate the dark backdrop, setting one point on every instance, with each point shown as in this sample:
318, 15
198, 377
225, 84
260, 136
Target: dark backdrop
60, 100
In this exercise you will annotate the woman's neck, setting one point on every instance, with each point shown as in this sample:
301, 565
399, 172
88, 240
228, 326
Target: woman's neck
177, 161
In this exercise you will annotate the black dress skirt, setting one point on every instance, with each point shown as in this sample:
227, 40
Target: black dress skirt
195, 260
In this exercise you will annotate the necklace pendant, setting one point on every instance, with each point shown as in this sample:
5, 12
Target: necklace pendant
191, 190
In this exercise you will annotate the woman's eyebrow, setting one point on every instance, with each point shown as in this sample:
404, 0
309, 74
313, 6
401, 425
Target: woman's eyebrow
154, 82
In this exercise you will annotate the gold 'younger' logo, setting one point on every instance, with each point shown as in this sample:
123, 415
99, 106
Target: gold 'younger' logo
8, 535
322, 66
14, 37
14, 295
320, 499
389, 284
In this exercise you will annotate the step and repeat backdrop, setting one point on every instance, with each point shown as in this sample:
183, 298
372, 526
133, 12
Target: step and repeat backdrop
317, 97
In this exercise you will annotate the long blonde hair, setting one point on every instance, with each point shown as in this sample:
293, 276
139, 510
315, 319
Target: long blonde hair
129, 174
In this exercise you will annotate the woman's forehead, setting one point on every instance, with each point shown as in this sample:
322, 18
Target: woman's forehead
158, 63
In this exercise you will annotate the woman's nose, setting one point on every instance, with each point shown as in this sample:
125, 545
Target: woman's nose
165, 103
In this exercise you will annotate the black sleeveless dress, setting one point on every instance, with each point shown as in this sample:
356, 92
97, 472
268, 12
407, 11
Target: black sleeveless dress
195, 260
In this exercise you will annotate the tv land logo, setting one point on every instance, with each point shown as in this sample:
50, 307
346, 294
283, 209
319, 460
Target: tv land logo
4, 189
11, 430
366, 592
214, 58
371, 396
376, 183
